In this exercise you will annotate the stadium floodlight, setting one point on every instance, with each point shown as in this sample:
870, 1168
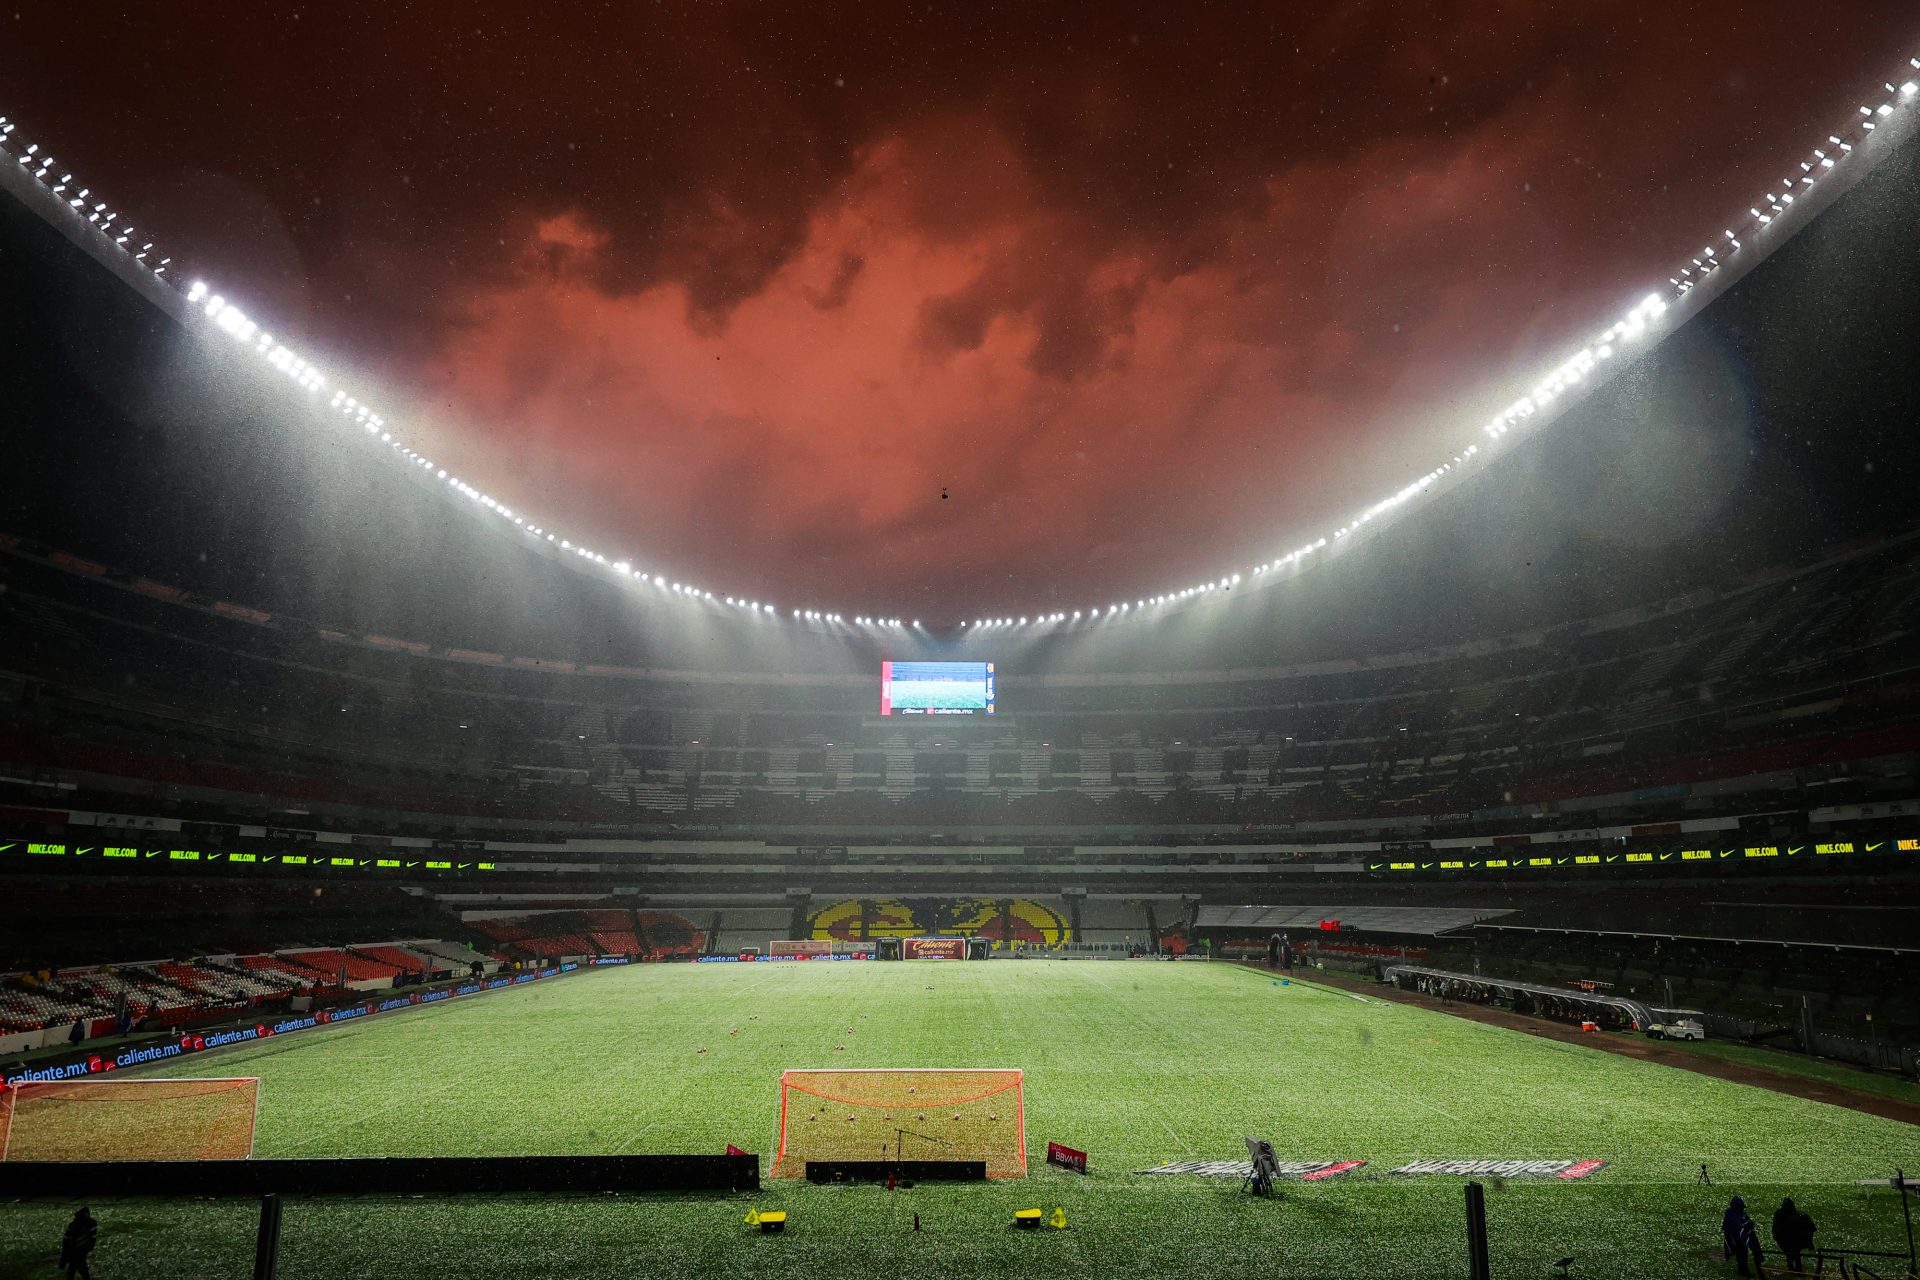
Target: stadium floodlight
1558, 381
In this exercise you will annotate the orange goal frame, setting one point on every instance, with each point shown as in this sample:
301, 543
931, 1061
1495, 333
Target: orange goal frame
890, 1089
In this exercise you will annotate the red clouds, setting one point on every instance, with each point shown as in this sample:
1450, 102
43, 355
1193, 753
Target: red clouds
1105, 412
1147, 292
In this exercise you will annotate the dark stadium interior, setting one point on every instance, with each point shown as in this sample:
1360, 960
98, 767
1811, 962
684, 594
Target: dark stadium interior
1574, 647
1632, 714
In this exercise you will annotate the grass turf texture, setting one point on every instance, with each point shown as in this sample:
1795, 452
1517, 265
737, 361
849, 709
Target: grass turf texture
1135, 1062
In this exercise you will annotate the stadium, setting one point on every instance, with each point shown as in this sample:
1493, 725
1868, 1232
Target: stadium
1493, 878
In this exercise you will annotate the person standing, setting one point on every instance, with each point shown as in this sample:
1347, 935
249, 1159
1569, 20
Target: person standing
1793, 1230
82, 1233
1741, 1237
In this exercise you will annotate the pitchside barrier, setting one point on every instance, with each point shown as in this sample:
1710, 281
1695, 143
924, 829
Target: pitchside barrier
930, 1114
428, 1175
933, 948
799, 948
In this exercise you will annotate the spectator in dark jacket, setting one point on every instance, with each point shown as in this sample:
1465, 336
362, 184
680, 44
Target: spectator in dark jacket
1741, 1237
82, 1233
1793, 1231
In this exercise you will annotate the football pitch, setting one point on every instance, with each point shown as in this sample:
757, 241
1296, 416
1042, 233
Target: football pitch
1137, 1063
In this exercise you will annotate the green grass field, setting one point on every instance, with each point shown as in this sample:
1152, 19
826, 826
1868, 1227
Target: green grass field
1794, 1064
1138, 1063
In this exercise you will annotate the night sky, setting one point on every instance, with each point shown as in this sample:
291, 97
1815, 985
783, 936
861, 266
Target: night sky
892, 307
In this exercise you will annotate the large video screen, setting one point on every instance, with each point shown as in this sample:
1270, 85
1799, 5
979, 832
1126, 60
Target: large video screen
936, 688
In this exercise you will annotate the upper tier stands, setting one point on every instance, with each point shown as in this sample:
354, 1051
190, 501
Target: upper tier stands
1788, 670
53, 923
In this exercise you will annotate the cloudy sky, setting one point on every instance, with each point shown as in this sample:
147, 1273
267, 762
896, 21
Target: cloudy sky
941, 309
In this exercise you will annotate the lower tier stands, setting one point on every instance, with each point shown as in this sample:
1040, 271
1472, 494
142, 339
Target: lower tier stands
1840, 956
1758, 991
1768, 951
530, 935
186, 991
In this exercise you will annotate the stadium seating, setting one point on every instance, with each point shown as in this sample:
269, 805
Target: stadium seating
291, 968
25, 1007
546, 936
443, 954
404, 961
611, 932
1749, 680
356, 966
192, 990
739, 928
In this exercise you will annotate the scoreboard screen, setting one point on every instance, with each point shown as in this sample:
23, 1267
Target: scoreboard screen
936, 688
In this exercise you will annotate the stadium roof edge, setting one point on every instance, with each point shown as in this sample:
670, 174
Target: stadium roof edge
32, 175
1504, 642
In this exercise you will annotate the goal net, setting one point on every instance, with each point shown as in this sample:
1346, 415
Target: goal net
129, 1120
946, 1113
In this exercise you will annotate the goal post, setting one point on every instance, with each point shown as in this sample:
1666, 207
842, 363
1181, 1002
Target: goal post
188, 1119
905, 1113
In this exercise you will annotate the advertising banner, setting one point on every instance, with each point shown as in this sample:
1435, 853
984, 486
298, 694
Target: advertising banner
933, 948
1067, 1157
1570, 1170
1305, 1170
